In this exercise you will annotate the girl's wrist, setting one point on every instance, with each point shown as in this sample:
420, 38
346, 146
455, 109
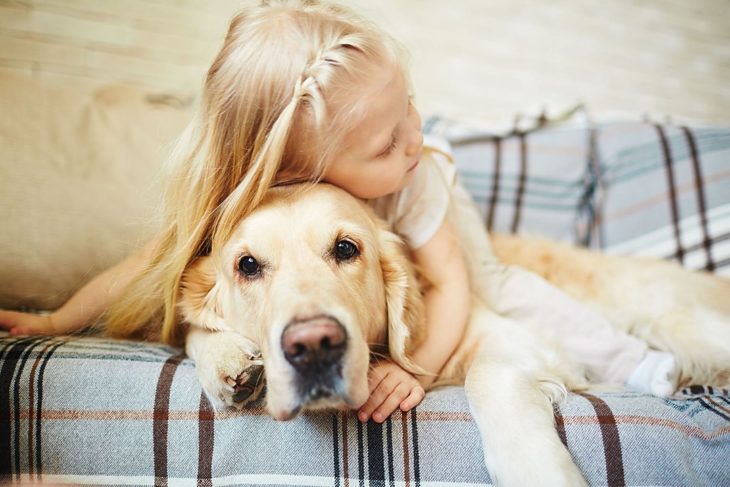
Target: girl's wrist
54, 321
425, 380
59, 322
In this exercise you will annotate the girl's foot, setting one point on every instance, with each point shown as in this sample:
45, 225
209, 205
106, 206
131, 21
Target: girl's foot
656, 374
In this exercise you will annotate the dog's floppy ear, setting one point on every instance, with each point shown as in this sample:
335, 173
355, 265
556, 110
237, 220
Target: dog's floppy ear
200, 296
403, 300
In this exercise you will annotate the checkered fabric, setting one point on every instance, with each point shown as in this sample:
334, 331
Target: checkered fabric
638, 188
529, 181
664, 191
89, 411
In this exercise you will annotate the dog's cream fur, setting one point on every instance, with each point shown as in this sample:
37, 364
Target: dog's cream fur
512, 374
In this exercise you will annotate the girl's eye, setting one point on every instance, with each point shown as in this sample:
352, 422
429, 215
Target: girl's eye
345, 250
390, 148
249, 267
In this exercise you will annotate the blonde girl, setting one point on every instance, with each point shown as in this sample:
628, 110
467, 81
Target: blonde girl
290, 97
300, 91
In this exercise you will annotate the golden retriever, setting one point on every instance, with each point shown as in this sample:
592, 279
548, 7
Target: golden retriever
316, 283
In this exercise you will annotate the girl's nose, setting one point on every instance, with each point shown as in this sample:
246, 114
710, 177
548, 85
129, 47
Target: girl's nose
415, 136
414, 143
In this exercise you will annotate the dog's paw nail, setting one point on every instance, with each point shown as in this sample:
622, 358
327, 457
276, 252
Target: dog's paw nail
242, 394
247, 382
231, 381
256, 359
254, 370
251, 375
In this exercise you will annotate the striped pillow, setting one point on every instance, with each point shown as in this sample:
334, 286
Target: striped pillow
664, 191
533, 182
632, 188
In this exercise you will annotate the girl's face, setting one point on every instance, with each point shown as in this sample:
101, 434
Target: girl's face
381, 154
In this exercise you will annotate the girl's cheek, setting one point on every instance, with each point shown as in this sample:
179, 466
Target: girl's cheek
414, 136
415, 116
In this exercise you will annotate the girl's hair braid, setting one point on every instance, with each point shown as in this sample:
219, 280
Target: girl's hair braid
277, 103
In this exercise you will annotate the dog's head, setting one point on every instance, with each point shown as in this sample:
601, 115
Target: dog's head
316, 280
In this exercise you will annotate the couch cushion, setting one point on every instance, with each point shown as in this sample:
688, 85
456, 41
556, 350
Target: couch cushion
78, 182
92, 411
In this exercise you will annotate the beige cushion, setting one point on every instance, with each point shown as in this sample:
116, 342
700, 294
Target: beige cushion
79, 182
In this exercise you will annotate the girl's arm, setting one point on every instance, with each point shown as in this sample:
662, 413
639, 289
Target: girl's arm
448, 303
84, 307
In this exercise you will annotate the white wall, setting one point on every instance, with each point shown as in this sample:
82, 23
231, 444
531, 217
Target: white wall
485, 59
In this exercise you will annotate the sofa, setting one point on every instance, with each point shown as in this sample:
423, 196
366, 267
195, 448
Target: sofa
78, 190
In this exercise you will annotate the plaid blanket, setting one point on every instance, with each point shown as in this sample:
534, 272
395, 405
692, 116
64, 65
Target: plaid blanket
92, 411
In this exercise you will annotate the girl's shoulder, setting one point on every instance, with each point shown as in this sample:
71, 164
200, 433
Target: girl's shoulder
438, 148
417, 211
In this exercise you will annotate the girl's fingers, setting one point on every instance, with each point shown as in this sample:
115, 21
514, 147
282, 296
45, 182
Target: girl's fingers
29, 330
9, 319
377, 397
376, 376
390, 404
414, 399
390, 388
18, 323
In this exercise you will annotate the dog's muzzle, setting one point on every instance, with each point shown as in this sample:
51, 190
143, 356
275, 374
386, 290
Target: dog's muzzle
315, 348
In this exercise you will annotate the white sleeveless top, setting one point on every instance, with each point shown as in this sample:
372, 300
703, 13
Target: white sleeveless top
417, 211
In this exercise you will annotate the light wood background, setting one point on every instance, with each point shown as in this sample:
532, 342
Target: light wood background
481, 59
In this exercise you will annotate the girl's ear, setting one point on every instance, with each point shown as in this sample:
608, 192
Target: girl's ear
201, 296
403, 300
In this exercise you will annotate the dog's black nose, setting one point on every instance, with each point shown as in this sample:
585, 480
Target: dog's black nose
314, 345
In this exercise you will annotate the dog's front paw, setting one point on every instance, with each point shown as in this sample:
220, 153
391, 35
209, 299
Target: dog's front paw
230, 369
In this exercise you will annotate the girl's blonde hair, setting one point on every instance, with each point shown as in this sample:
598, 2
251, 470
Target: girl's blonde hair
277, 103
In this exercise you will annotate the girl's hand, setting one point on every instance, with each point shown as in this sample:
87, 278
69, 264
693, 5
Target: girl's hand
18, 323
390, 388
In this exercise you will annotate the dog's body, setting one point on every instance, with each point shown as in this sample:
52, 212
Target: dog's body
316, 282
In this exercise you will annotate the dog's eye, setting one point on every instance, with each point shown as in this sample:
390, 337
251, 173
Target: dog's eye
345, 250
248, 266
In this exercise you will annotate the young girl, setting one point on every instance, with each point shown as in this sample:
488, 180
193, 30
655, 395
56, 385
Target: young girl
303, 91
